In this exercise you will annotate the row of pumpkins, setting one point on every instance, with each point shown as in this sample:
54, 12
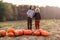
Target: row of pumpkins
12, 32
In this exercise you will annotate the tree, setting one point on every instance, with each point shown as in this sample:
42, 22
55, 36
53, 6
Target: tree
15, 12
2, 11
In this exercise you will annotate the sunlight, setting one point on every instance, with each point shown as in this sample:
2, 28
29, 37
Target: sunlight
35, 2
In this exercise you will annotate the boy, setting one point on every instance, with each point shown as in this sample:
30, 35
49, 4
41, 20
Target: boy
37, 17
30, 14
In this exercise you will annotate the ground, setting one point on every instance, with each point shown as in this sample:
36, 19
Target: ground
51, 26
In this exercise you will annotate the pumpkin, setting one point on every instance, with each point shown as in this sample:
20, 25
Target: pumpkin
10, 34
28, 32
2, 33
37, 32
19, 32
10, 30
44, 33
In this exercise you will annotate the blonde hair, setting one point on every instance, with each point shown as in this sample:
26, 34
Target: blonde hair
37, 10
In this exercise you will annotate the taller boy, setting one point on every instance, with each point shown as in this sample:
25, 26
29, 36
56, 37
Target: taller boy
30, 14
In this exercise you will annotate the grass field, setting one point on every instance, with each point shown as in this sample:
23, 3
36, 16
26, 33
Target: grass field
52, 26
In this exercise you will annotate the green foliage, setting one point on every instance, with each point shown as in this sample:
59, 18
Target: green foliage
15, 12
2, 11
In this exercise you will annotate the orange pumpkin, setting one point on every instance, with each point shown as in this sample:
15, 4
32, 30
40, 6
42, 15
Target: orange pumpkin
37, 32
44, 33
19, 32
10, 34
2, 33
10, 30
28, 32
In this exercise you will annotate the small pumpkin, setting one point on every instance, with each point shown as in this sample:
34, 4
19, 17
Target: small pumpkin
2, 33
37, 32
28, 32
10, 34
44, 33
10, 30
19, 32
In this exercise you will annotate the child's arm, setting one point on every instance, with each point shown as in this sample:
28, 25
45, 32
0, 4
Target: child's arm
34, 15
27, 12
39, 16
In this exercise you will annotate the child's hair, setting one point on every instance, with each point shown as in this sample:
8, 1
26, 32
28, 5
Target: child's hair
30, 7
37, 10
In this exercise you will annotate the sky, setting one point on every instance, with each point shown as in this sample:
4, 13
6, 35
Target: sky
35, 2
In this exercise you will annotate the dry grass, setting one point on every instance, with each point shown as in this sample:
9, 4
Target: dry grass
52, 26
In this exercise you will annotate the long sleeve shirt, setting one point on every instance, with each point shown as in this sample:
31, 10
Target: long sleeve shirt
37, 16
30, 13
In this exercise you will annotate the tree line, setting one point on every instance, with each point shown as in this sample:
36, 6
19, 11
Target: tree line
10, 12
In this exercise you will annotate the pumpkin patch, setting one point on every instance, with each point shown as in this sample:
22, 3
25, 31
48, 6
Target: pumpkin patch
10, 34
28, 32
10, 30
19, 32
2, 33
37, 32
44, 33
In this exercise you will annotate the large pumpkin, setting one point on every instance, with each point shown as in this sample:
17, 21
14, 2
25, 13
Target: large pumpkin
19, 32
44, 33
10, 30
10, 34
37, 32
28, 32
2, 33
